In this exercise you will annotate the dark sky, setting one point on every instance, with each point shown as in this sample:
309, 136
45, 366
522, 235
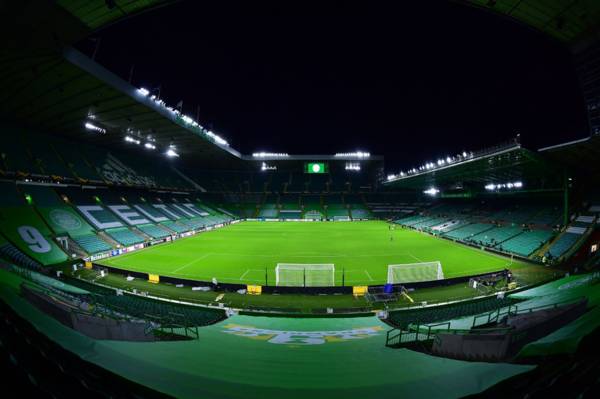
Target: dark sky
412, 83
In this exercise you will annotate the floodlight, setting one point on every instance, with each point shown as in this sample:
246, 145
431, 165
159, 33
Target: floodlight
171, 153
91, 126
143, 91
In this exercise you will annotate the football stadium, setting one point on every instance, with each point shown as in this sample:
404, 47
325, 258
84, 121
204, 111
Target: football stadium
144, 254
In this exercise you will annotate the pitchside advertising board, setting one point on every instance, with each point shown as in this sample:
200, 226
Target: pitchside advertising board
316, 167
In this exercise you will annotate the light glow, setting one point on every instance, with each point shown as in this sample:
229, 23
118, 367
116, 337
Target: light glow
91, 126
171, 153
431, 191
356, 154
500, 186
263, 154
130, 139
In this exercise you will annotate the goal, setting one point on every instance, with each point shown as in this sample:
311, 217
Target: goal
304, 275
415, 272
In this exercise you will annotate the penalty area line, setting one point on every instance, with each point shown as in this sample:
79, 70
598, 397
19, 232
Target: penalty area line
190, 263
369, 276
244, 275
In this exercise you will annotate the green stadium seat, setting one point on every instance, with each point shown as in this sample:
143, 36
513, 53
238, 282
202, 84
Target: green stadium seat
562, 245
124, 236
92, 244
526, 243
402, 319
495, 236
154, 231
468, 231
176, 227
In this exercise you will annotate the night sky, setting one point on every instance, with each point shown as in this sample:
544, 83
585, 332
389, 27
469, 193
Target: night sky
413, 83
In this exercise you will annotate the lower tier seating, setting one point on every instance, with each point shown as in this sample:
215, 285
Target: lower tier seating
154, 231
469, 230
92, 244
176, 227
124, 236
403, 318
290, 215
12, 253
495, 236
562, 245
526, 243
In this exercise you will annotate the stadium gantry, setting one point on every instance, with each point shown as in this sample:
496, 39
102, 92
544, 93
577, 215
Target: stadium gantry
136, 244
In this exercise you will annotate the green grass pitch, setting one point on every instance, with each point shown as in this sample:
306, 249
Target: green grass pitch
241, 253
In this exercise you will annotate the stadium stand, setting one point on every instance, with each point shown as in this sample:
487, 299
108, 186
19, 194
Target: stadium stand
526, 243
402, 319
468, 231
562, 245
12, 253
176, 227
92, 244
268, 210
24, 229
124, 236
495, 236
154, 231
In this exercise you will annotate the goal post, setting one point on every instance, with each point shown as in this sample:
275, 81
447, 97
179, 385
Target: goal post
415, 272
305, 275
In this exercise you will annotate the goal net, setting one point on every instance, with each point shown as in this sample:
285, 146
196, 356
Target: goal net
415, 272
304, 275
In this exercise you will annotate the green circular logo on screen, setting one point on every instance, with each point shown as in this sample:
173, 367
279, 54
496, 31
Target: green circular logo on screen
64, 219
316, 168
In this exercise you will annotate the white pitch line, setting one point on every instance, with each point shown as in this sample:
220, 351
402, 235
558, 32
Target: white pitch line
190, 263
369, 276
244, 275
414, 257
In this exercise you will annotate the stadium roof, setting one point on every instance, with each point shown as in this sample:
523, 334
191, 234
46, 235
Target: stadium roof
98, 13
504, 164
580, 155
566, 20
59, 93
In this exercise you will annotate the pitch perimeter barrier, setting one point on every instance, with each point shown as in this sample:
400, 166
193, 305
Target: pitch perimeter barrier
271, 289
